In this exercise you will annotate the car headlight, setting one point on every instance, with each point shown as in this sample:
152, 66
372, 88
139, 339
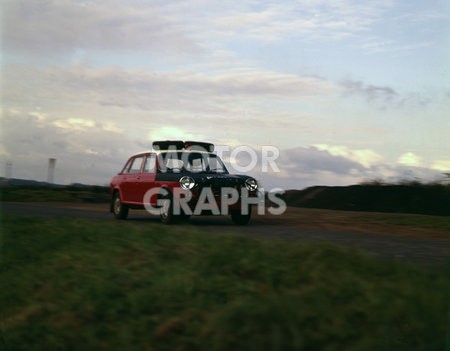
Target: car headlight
187, 183
251, 184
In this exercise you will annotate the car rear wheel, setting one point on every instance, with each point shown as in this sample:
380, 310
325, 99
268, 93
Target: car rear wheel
119, 209
241, 219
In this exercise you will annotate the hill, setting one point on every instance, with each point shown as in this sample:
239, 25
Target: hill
23, 190
431, 199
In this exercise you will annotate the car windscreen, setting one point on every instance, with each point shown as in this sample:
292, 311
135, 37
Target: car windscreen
192, 162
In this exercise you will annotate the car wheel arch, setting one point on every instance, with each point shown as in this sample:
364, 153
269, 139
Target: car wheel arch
166, 188
117, 190
113, 194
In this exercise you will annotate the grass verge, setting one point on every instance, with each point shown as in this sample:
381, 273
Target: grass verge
418, 221
79, 284
408, 225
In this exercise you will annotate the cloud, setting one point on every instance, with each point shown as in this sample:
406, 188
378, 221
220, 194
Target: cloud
410, 159
301, 167
51, 28
310, 160
181, 90
386, 96
365, 157
3, 152
372, 93
374, 45
238, 104
308, 20
86, 151
173, 133
111, 127
441, 165
74, 124
61, 27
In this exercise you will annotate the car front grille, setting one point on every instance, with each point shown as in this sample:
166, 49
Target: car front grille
217, 184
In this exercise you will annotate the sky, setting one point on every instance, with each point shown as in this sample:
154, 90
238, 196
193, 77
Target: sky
349, 91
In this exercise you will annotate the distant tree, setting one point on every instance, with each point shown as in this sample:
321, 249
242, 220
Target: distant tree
446, 179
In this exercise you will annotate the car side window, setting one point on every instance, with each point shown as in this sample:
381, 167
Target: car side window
136, 165
150, 164
197, 164
125, 168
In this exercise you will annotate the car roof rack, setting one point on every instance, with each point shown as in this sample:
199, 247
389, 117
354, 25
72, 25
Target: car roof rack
179, 145
198, 146
168, 144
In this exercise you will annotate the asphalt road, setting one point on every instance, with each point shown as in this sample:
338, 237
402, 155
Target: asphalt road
426, 251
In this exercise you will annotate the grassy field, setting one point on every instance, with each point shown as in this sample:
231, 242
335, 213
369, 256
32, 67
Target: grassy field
418, 221
409, 225
85, 285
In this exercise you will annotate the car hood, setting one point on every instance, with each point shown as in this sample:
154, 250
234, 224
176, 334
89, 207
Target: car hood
205, 178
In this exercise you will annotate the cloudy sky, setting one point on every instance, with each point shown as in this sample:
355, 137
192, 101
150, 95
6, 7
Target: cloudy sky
347, 90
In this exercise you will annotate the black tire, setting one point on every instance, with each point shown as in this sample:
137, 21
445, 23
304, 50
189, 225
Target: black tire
184, 217
240, 219
119, 209
167, 216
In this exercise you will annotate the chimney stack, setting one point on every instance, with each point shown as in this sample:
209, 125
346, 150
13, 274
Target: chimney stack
51, 170
8, 170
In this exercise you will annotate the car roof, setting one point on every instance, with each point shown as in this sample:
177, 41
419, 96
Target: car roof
157, 152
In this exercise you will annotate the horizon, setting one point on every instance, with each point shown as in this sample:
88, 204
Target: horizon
443, 180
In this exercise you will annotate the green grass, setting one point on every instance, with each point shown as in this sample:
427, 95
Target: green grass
420, 221
89, 285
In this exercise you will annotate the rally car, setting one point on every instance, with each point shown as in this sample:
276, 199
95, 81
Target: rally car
178, 179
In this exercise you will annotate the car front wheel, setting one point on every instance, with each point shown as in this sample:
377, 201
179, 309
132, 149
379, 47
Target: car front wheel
167, 216
119, 209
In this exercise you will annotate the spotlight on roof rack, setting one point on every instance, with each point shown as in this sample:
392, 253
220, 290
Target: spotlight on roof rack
168, 144
199, 146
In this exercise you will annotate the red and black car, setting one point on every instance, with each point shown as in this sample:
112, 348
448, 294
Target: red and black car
178, 179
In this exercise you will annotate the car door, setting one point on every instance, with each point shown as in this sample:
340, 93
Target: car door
124, 181
131, 179
147, 178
